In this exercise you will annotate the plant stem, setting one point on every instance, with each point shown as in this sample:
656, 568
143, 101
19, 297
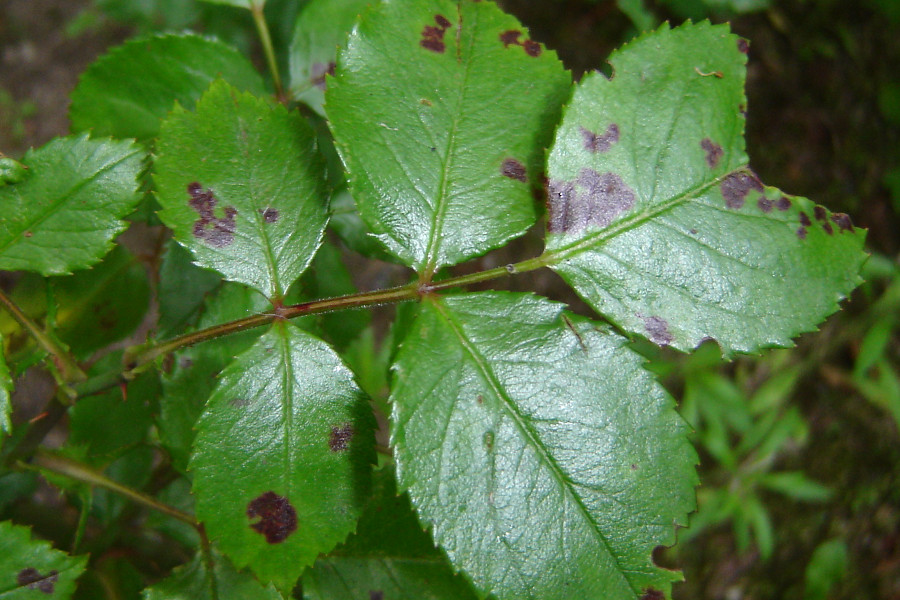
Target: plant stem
79, 472
67, 366
265, 38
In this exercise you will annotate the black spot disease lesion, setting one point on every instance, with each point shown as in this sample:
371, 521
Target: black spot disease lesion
218, 232
737, 186
269, 215
376, 595
513, 169
433, 35
713, 151
658, 331
510, 37
594, 142
32, 579
593, 200
277, 518
652, 594
340, 437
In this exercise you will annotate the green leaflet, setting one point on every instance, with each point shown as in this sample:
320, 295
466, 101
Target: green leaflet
441, 112
547, 460
193, 582
248, 4
64, 215
32, 568
389, 556
282, 455
655, 220
242, 186
183, 289
127, 92
321, 27
6, 387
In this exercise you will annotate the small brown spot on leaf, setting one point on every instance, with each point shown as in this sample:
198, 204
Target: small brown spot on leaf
319, 72
217, 232
743, 46
736, 186
513, 169
600, 143
340, 437
713, 151
532, 48
277, 518
828, 228
425, 102
592, 200
801, 233
843, 222
651, 594
783, 204
479, 399
433, 37
658, 331
820, 213
270, 215
28, 234
376, 595
805, 220
764, 204
510, 36
32, 579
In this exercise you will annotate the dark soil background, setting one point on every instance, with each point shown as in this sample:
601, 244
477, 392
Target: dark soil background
823, 122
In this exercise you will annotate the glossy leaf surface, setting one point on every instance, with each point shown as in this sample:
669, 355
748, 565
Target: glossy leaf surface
441, 111
6, 387
32, 568
65, 214
193, 581
321, 27
658, 224
389, 556
128, 92
547, 460
242, 186
282, 457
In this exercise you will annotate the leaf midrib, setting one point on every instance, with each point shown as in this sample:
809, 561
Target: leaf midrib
509, 405
631, 222
437, 221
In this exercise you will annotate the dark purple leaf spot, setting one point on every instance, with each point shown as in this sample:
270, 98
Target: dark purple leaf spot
693, 232
658, 331
510, 36
600, 143
820, 213
805, 220
842, 221
651, 594
736, 186
828, 228
479, 399
513, 169
319, 72
743, 46
277, 518
270, 215
713, 151
801, 233
340, 437
764, 204
433, 37
783, 204
33, 580
376, 595
634, 467
532, 48
217, 232
592, 200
